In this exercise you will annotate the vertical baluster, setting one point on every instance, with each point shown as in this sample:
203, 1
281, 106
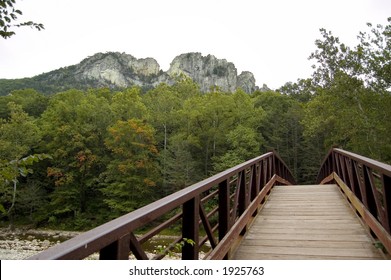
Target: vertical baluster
255, 182
337, 165
349, 180
243, 193
190, 228
333, 162
272, 166
243, 197
262, 173
386, 185
224, 209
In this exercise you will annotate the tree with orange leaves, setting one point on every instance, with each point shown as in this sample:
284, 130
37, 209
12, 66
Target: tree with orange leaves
131, 174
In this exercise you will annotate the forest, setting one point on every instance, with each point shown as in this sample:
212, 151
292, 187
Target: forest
78, 158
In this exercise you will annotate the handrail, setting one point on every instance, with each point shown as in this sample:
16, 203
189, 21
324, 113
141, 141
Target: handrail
367, 184
234, 193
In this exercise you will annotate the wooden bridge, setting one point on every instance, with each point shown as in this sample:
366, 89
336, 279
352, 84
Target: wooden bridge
307, 222
255, 211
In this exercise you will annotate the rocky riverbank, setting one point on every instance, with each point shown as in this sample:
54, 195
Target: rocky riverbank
20, 244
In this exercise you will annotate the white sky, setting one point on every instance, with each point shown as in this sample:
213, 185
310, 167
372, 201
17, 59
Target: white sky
272, 38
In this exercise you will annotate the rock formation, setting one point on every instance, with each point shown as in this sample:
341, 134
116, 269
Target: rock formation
123, 70
120, 70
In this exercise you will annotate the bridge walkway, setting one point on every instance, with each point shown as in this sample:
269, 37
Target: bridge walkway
307, 222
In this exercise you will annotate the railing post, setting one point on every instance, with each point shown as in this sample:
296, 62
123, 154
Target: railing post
224, 209
255, 182
118, 250
243, 194
243, 197
386, 183
334, 169
273, 166
190, 228
262, 174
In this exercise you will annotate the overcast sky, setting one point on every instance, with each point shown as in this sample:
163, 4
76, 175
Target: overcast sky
272, 38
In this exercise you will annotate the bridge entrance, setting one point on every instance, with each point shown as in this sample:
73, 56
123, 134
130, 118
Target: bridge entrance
307, 222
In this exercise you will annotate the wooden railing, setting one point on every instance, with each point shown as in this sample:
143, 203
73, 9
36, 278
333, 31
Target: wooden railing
367, 185
212, 213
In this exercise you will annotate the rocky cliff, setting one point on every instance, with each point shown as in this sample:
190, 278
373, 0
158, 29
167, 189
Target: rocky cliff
120, 70
207, 71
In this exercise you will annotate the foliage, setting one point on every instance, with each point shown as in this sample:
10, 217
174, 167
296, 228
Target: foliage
8, 19
369, 61
19, 134
31, 101
113, 151
350, 108
9, 173
130, 176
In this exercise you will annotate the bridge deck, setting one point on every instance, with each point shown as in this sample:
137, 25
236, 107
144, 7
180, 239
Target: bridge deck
307, 222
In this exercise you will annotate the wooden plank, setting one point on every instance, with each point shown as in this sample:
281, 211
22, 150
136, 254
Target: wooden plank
303, 222
307, 222
305, 212
324, 252
308, 218
298, 204
313, 231
308, 243
319, 237
260, 256
301, 225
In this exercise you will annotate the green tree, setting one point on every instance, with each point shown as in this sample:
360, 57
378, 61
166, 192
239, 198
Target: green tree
302, 91
10, 171
163, 104
130, 176
75, 126
281, 127
369, 61
128, 104
180, 168
242, 139
19, 135
374, 55
351, 116
207, 118
243, 145
351, 104
31, 101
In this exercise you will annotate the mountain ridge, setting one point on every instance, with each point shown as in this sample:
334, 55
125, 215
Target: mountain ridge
121, 70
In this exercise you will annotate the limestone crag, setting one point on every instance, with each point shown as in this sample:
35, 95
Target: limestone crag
115, 69
207, 71
246, 81
118, 69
